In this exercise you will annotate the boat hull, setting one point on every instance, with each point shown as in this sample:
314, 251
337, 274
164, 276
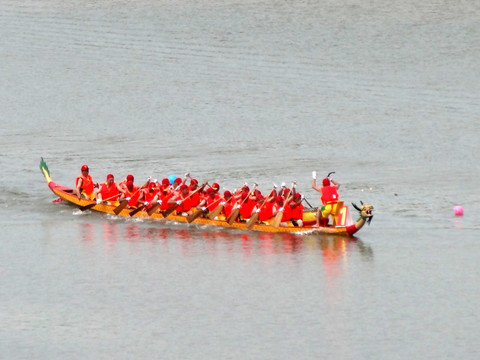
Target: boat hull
68, 195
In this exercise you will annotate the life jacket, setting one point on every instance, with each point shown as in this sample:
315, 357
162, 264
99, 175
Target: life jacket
287, 213
212, 203
246, 208
195, 197
297, 211
329, 194
185, 206
133, 195
109, 193
227, 209
87, 184
266, 212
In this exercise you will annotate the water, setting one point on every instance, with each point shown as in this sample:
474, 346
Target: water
385, 94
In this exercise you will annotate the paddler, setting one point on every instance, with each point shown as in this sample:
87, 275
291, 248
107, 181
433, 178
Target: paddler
297, 210
328, 196
131, 194
84, 186
183, 201
109, 191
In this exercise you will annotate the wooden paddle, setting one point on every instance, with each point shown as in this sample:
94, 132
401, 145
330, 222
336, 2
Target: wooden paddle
195, 215
235, 212
89, 206
214, 213
153, 209
278, 218
140, 208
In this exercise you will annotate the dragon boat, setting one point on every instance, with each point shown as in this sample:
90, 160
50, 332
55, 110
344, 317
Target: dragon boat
339, 224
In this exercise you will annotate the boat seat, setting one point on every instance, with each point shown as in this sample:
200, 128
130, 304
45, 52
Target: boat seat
337, 210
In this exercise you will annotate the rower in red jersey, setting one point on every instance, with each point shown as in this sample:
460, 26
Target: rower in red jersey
297, 210
149, 194
109, 191
247, 204
131, 194
210, 201
227, 203
84, 186
183, 201
282, 206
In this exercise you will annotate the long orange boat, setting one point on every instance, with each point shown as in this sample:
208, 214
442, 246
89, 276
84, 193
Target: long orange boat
340, 228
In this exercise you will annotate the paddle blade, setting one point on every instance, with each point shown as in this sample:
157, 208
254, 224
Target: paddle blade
153, 209
278, 219
170, 210
253, 219
233, 216
119, 208
86, 207
194, 216
215, 212
133, 212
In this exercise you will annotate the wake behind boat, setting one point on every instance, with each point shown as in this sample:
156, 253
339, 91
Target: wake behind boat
339, 224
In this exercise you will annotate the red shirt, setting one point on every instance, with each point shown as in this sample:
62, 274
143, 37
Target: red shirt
109, 193
329, 194
297, 211
266, 212
87, 184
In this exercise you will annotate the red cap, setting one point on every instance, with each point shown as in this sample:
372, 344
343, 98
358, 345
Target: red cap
165, 182
227, 193
194, 181
130, 178
244, 195
183, 187
326, 182
215, 186
297, 196
210, 190
178, 180
109, 176
85, 168
130, 184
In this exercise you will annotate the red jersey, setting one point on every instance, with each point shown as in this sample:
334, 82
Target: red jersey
87, 184
329, 194
297, 211
109, 193
246, 208
133, 195
185, 206
266, 212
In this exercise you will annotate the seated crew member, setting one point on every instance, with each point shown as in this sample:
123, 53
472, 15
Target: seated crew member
210, 201
131, 194
328, 196
84, 186
247, 204
297, 207
123, 183
183, 201
109, 191
227, 204
148, 194
281, 205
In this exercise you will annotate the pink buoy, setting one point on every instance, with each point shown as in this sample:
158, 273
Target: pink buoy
458, 210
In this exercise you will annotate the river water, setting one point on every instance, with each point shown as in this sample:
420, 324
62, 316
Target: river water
384, 93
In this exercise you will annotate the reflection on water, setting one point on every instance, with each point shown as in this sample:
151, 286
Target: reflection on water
334, 249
